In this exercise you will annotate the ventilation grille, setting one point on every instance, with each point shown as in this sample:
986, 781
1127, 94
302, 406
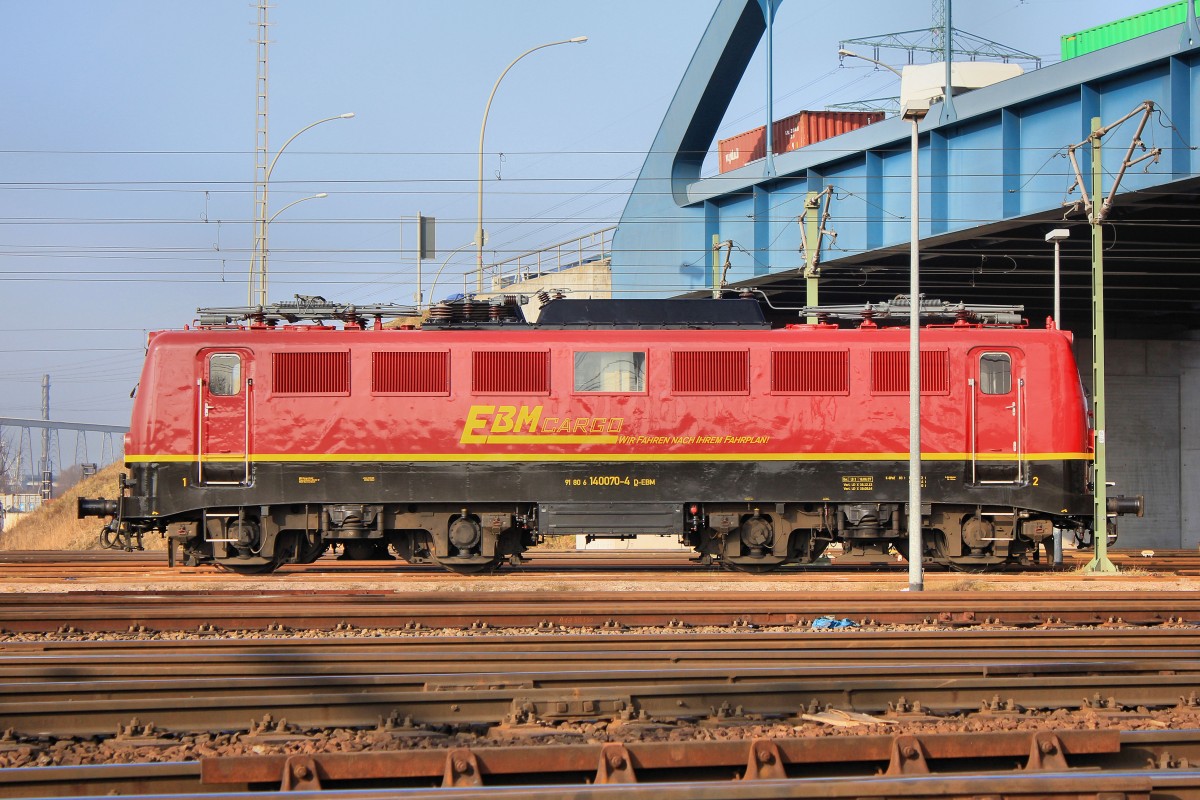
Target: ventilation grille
889, 372
710, 372
810, 371
310, 373
510, 372
410, 373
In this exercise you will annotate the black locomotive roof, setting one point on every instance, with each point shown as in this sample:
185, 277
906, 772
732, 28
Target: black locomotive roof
556, 314
641, 313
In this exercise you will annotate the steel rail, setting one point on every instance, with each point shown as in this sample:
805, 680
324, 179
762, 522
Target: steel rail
795, 641
795, 767
1041, 650
761, 760
73, 689
240, 610
91, 708
35, 563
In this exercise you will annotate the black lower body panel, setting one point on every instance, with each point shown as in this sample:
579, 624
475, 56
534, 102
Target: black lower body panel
1051, 487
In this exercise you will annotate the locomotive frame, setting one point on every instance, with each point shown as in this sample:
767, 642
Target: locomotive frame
467, 441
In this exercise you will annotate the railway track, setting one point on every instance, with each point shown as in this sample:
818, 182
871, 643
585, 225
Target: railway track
493, 709
106, 658
615, 770
37, 564
185, 687
767, 768
280, 610
339, 678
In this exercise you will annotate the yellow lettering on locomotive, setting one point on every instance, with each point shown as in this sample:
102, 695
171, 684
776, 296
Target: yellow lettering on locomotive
477, 417
527, 418
503, 421
485, 421
526, 425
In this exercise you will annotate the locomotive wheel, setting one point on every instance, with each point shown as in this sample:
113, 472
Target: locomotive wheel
472, 568
756, 567
960, 565
313, 552
968, 566
249, 569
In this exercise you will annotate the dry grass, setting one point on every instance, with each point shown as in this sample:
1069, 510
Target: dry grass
969, 585
1123, 570
54, 526
557, 542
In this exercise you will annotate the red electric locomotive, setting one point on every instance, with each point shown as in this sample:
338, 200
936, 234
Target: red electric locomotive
465, 441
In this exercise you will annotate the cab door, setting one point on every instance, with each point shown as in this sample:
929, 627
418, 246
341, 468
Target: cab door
224, 391
997, 420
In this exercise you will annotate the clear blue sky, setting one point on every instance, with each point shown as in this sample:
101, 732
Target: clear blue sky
127, 148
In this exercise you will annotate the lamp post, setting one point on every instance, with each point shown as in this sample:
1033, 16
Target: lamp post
913, 110
916, 580
482, 128
319, 196
438, 274
258, 266
262, 300
1058, 235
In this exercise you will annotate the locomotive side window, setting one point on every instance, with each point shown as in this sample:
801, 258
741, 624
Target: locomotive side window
610, 372
995, 373
224, 374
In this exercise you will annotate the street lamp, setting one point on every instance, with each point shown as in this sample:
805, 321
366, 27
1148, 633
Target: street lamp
913, 109
319, 196
259, 261
916, 582
438, 274
262, 301
873, 61
482, 128
1057, 236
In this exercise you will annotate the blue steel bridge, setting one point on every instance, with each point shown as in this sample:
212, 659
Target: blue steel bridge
993, 178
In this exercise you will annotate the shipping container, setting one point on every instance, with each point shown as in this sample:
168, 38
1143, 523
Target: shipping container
738, 151
1122, 30
808, 127
790, 133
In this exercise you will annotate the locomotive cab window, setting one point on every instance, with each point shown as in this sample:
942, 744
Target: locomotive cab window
610, 372
224, 374
995, 373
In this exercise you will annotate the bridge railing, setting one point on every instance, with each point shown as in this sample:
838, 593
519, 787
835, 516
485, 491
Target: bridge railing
567, 254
